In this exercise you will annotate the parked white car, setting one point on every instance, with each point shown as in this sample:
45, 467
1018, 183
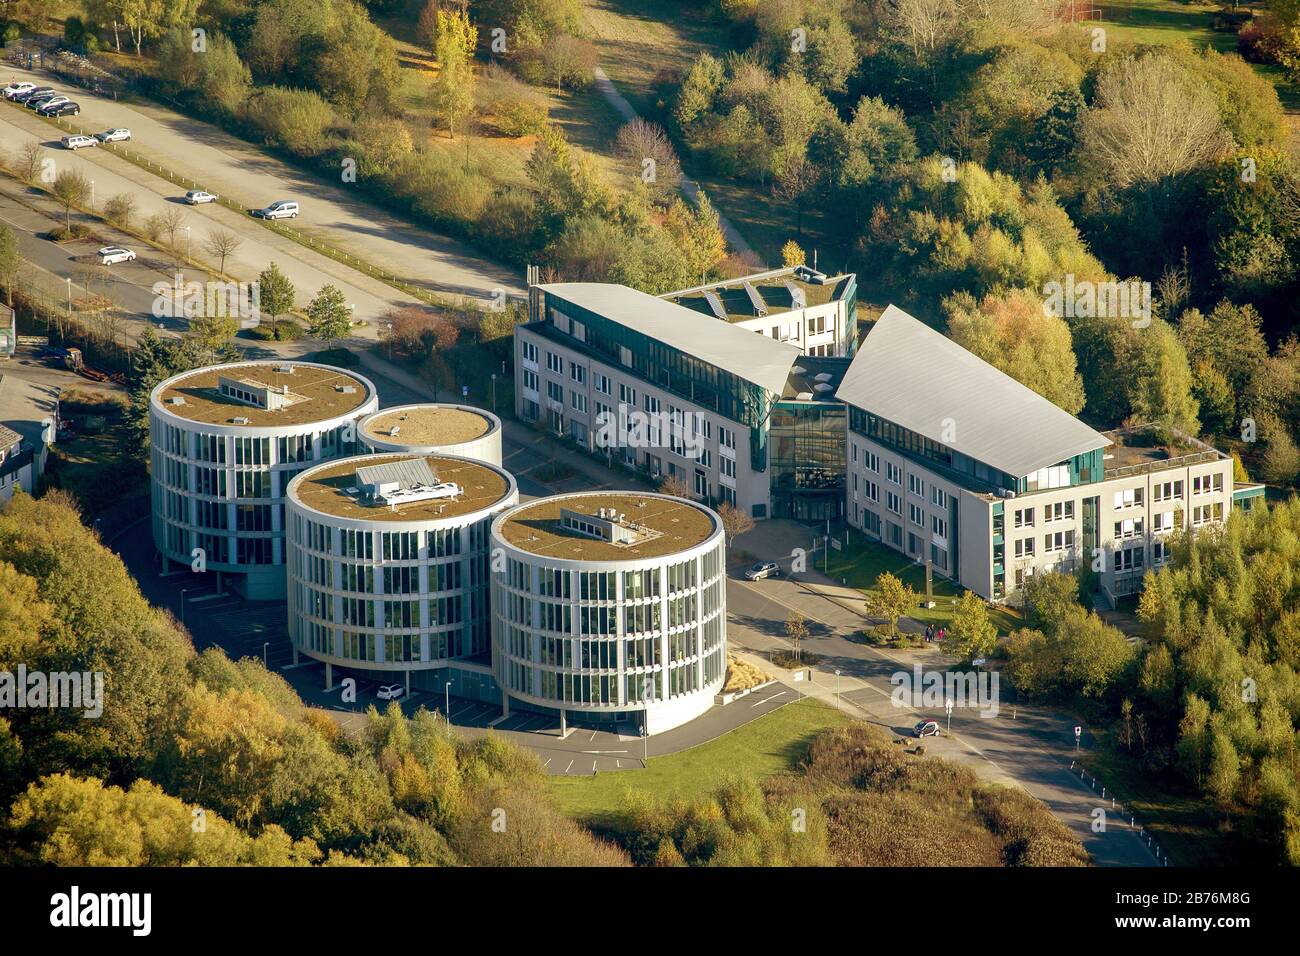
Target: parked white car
13, 89
927, 728
196, 197
78, 141
390, 692
281, 209
118, 134
53, 101
111, 255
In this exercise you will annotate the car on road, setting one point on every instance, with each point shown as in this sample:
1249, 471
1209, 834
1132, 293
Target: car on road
13, 89
390, 692
926, 728
280, 209
197, 196
111, 255
118, 134
763, 569
67, 108
27, 94
77, 141
40, 98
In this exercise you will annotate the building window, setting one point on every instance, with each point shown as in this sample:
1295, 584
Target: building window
1023, 518
1129, 498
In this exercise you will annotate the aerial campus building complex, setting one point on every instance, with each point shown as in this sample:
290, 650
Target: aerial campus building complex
418, 559
692, 385
226, 441
388, 563
610, 607
955, 463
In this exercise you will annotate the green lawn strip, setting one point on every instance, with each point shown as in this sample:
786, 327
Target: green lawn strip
768, 745
1183, 823
863, 560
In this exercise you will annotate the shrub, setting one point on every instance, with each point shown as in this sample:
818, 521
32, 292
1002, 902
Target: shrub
295, 119
119, 209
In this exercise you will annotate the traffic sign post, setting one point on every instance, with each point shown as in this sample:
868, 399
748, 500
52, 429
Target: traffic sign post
1078, 733
947, 706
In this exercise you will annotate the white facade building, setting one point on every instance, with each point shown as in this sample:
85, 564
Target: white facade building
611, 606
388, 563
800, 306
951, 461
226, 441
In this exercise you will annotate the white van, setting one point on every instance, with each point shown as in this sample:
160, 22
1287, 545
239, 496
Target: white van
281, 209
78, 141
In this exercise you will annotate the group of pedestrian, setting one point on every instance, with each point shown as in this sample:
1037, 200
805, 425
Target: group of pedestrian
931, 634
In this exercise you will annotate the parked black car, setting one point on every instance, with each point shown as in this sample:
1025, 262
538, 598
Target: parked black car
63, 109
24, 97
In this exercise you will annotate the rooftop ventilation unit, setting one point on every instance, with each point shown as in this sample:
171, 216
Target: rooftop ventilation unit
392, 432
810, 275
345, 389
403, 482
804, 396
756, 300
798, 370
284, 369
823, 387
241, 420
176, 400
824, 376
715, 303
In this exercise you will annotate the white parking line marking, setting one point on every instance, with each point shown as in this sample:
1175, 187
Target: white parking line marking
569, 767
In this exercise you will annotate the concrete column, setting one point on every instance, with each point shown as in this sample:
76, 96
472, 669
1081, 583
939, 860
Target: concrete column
564, 722
329, 676
295, 655
408, 683
505, 703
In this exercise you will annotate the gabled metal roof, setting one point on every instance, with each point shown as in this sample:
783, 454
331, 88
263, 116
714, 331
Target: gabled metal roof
753, 357
918, 378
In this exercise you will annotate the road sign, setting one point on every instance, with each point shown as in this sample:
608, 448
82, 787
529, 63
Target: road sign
1078, 732
947, 705
798, 675
979, 661
33, 340
835, 543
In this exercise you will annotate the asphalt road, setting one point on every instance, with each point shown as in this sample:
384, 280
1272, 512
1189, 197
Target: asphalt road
335, 212
111, 175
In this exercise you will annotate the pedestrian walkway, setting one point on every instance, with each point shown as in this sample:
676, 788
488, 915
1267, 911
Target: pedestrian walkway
690, 188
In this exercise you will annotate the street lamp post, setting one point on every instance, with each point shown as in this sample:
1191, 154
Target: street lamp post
494, 393
837, 689
446, 699
265, 645
69, 281
183, 590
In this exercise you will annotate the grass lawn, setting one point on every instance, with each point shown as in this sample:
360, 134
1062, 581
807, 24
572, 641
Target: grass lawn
1183, 823
1167, 21
863, 560
768, 745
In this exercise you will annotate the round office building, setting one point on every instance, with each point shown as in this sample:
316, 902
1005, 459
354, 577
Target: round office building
226, 441
435, 430
610, 607
388, 565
